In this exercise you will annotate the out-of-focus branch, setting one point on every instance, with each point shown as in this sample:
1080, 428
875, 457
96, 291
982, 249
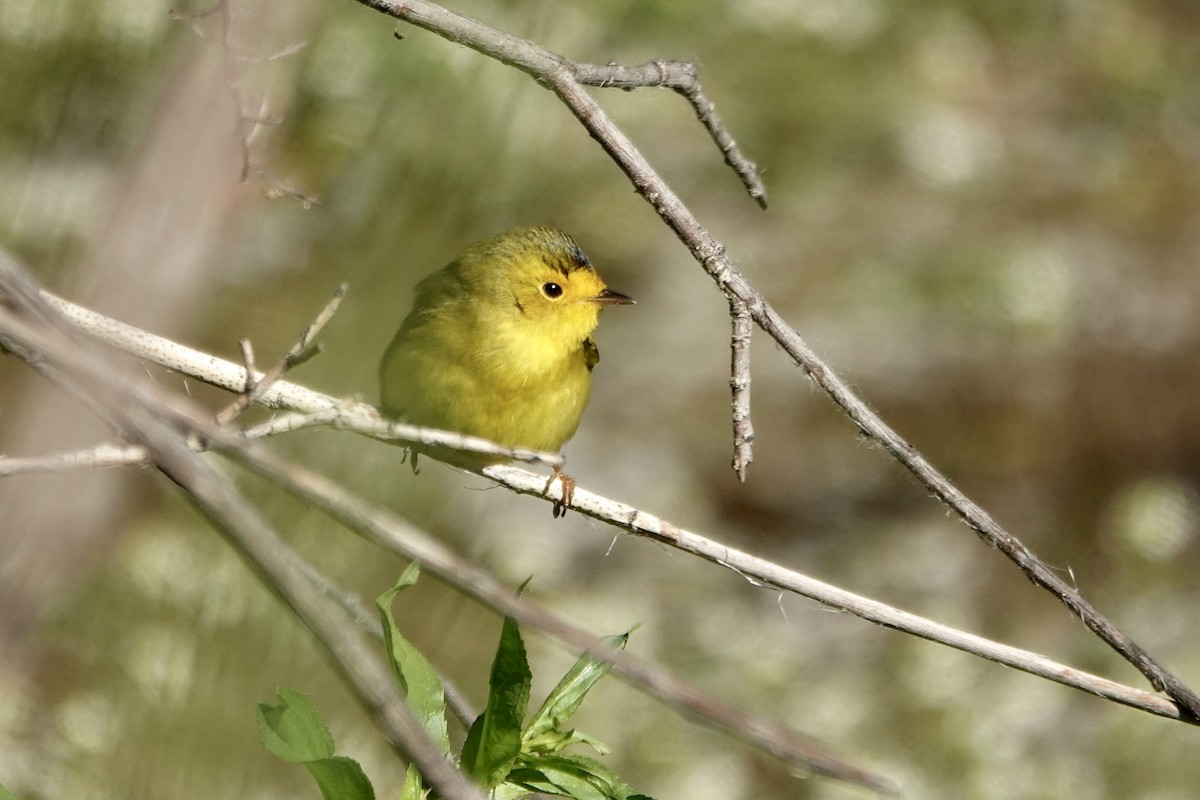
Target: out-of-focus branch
559, 75
249, 124
370, 680
161, 424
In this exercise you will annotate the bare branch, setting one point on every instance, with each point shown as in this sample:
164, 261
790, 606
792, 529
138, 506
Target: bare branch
546, 67
760, 572
684, 78
346, 414
369, 679
301, 351
100, 456
557, 74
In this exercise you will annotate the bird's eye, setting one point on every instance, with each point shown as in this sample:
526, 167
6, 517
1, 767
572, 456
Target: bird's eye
552, 290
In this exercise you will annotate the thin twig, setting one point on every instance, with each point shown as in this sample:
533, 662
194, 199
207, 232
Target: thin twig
233, 82
248, 361
684, 78
555, 73
543, 65
304, 349
739, 384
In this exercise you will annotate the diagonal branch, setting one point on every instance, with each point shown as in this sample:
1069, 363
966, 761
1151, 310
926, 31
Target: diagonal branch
161, 425
557, 74
30, 328
684, 78
262, 547
760, 572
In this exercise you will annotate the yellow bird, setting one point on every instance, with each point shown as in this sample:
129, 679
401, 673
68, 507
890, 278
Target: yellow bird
499, 343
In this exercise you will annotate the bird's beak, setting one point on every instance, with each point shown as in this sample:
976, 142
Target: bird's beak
610, 298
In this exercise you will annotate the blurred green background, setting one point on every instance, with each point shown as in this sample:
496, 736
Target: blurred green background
985, 215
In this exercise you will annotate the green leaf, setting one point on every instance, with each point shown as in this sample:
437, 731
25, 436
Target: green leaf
341, 778
293, 730
551, 775
494, 741
5, 794
581, 777
414, 789
564, 699
523, 780
417, 677
470, 751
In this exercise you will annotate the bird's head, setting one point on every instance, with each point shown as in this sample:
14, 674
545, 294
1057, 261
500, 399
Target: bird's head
548, 282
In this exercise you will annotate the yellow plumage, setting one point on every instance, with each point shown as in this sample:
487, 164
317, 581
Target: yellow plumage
498, 343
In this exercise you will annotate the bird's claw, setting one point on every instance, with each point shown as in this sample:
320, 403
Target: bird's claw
568, 491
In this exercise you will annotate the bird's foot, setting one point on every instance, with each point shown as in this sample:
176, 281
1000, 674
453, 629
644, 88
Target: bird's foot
568, 491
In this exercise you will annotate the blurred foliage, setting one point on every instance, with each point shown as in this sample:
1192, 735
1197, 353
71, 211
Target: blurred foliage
985, 215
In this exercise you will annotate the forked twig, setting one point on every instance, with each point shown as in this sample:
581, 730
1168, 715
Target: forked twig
684, 78
304, 349
547, 67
